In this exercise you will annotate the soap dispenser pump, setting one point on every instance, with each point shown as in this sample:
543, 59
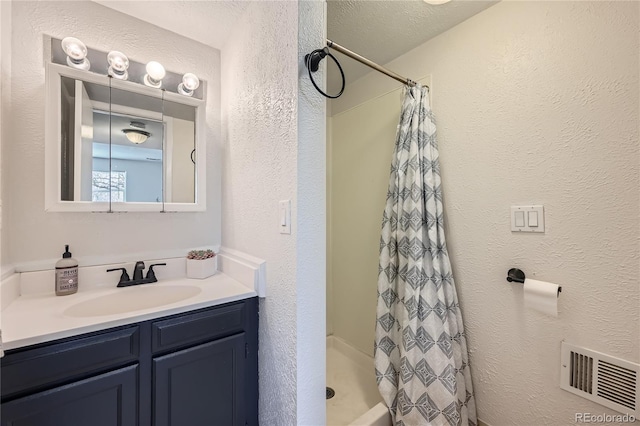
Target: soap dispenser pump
66, 274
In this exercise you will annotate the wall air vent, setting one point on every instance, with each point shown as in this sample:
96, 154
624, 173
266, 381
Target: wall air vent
601, 378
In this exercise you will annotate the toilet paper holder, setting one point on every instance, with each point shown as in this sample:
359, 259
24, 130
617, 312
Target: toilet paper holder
515, 275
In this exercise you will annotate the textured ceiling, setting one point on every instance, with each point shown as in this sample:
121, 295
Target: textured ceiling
383, 30
380, 30
209, 22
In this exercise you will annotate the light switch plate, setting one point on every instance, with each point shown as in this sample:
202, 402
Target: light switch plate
523, 218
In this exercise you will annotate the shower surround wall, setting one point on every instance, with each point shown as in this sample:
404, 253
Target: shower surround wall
31, 234
536, 103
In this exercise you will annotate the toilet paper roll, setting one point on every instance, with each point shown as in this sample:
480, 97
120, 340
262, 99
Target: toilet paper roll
541, 296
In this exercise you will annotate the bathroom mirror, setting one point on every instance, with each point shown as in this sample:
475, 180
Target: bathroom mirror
114, 145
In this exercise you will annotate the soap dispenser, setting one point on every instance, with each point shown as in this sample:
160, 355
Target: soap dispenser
66, 274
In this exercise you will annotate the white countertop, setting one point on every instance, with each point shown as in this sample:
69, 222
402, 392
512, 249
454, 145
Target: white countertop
38, 318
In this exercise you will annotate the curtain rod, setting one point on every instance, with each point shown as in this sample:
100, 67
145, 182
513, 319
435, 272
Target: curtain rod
369, 63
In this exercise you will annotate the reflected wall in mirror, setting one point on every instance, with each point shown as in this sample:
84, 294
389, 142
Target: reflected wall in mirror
116, 152
180, 152
123, 145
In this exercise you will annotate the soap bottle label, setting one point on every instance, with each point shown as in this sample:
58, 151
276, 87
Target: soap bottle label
67, 280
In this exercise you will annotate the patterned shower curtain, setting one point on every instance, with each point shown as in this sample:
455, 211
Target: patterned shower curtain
421, 355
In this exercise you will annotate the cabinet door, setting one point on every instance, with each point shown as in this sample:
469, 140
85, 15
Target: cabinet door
105, 400
201, 386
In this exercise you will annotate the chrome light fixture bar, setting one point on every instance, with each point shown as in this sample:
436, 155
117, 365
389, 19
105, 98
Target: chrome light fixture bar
72, 52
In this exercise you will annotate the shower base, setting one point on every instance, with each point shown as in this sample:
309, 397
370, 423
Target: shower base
351, 374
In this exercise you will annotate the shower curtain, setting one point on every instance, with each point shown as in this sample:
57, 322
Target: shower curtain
421, 355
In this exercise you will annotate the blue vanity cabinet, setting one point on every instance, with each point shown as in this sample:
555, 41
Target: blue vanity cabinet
88, 380
202, 385
205, 367
198, 368
105, 400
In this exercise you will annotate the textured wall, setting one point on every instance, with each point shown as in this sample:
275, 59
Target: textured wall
259, 136
36, 235
329, 292
312, 231
209, 22
536, 102
5, 102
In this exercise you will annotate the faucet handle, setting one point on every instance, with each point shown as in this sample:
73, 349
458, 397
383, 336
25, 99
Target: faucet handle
124, 277
151, 275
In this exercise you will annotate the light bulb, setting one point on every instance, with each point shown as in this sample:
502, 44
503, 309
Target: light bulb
118, 65
76, 52
189, 83
155, 74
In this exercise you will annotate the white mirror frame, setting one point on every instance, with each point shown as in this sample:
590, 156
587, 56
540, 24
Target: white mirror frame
53, 146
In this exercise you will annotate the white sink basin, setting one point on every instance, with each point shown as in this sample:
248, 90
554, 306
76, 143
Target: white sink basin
130, 299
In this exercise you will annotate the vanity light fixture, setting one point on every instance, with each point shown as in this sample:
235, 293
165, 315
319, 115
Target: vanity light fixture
118, 65
155, 74
437, 2
72, 52
190, 82
136, 136
76, 52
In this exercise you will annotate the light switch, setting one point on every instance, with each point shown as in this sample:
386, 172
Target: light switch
527, 218
284, 216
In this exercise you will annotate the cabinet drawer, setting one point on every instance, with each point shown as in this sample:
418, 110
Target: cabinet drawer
198, 327
62, 362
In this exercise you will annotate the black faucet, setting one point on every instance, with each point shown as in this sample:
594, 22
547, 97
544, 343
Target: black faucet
137, 275
137, 270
